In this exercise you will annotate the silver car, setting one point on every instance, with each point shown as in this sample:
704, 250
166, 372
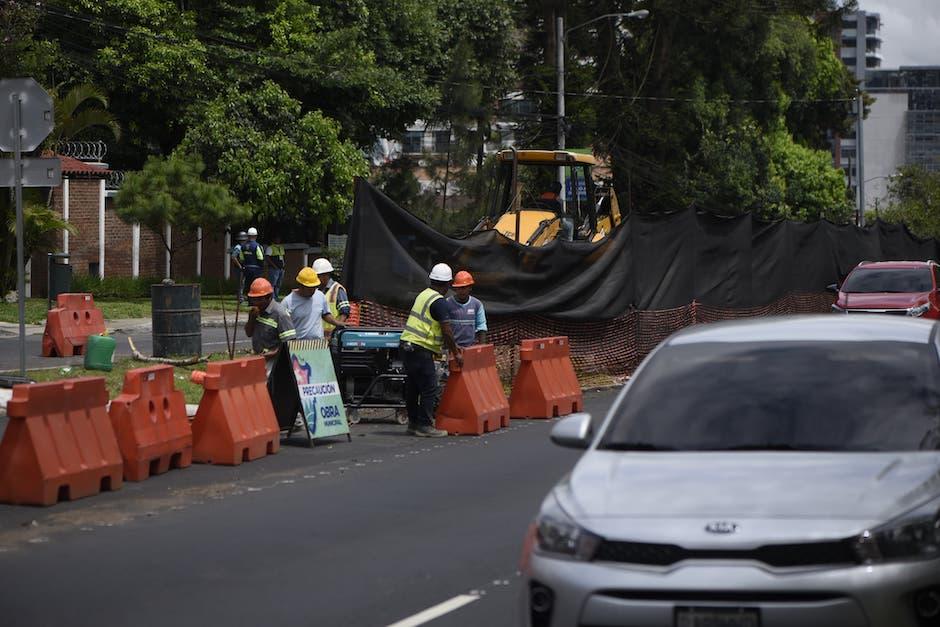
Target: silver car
769, 473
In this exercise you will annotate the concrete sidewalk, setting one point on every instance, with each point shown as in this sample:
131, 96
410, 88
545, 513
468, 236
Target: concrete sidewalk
126, 325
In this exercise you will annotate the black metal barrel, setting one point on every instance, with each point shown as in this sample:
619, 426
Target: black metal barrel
177, 320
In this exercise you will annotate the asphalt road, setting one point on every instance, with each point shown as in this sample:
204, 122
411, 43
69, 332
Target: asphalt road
213, 340
370, 532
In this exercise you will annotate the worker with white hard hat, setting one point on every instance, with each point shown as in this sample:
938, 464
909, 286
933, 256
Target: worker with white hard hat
251, 258
336, 296
426, 333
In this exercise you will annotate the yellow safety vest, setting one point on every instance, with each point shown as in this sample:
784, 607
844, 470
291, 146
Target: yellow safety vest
331, 295
421, 329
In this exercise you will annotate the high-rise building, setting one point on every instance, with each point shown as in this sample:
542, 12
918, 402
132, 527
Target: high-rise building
859, 46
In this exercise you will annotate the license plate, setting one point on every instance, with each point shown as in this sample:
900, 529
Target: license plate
717, 617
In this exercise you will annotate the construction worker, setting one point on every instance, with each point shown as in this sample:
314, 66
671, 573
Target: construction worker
336, 296
240, 239
269, 325
275, 257
307, 307
426, 333
551, 199
467, 317
251, 258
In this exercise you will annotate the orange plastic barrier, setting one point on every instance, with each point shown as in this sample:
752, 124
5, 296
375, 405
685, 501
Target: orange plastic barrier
473, 401
59, 444
69, 324
235, 421
546, 384
149, 419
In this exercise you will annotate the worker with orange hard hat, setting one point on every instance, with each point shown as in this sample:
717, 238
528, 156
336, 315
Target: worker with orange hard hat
269, 325
467, 316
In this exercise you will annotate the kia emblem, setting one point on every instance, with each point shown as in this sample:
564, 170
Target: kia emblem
721, 526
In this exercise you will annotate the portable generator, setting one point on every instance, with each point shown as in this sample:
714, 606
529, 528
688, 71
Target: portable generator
369, 370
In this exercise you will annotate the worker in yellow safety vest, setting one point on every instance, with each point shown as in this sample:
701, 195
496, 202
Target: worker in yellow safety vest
426, 333
336, 297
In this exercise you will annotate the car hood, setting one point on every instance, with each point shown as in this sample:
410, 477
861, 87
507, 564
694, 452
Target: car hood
882, 300
828, 493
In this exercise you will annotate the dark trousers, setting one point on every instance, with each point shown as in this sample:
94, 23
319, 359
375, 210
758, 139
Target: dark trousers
421, 387
250, 273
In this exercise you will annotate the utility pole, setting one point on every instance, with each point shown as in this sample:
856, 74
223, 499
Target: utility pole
560, 65
860, 156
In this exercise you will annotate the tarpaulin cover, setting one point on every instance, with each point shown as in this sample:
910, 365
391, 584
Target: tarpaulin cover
647, 263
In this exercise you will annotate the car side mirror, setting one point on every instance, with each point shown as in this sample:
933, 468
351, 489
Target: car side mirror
574, 431
833, 287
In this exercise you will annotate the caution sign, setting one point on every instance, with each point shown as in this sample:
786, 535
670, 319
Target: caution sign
320, 400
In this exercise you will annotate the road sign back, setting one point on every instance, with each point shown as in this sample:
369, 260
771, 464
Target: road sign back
36, 119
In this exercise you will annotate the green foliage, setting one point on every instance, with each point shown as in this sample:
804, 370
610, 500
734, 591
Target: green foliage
124, 288
282, 162
813, 188
40, 221
22, 52
80, 109
172, 191
914, 200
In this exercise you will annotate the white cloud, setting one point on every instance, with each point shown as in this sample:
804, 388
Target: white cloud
910, 31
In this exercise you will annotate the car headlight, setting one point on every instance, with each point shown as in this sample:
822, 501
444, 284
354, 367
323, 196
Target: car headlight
915, 535
919, 311
557, 533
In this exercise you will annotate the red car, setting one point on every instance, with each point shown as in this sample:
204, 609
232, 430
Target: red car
903, 288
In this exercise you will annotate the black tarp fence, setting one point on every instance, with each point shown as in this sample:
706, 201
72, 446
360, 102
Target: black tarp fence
648, 263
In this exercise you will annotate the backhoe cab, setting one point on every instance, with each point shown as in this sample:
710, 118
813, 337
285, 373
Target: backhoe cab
523, 207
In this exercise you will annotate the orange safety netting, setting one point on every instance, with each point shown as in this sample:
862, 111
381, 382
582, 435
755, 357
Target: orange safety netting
614, 346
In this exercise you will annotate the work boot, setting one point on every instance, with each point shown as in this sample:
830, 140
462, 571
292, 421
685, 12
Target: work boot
427, 431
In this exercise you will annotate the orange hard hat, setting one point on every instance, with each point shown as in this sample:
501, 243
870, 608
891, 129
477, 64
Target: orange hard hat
463, 279
260, 287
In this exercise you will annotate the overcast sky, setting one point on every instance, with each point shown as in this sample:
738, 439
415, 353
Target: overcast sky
910, 31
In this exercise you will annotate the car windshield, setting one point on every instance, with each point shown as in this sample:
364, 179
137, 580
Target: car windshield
839, 396
872, 280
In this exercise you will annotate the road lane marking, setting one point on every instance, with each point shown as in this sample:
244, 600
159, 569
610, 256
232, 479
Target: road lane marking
437, 611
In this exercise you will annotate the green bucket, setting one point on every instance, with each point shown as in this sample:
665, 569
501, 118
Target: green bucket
98, 352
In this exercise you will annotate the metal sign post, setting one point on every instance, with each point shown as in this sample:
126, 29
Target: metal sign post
25, 122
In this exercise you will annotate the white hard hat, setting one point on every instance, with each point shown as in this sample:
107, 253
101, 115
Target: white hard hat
322, 266
253, 231
441, 272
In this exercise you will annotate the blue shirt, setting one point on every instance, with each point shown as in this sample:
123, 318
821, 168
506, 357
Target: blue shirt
466, 319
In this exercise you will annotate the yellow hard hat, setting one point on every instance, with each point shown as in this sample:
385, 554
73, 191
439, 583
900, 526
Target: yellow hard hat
308, 277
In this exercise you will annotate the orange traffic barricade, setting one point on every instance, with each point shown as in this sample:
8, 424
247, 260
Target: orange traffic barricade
473, 401
546, 385
69, 324
149, 419
235, 421
59, 444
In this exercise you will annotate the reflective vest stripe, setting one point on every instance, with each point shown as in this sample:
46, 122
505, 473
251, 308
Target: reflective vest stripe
267, 321
287, 334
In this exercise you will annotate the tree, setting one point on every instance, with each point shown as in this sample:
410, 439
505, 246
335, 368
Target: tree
914, 200
685, 106
282, 162
22, 52
172, 191
83, 108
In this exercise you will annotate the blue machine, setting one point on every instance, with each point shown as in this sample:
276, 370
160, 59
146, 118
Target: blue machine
369, 370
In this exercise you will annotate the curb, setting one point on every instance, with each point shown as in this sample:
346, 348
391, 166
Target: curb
12, 329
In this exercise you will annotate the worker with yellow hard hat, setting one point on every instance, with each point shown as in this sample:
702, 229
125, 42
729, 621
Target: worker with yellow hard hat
467, 316
308, 307
269, 325
427, 331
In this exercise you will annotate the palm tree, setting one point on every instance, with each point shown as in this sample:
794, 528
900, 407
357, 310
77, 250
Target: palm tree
82, 108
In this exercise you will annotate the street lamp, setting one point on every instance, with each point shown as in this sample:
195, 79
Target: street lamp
561, 34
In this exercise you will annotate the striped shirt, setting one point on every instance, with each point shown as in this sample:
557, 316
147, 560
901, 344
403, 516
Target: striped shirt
273, 326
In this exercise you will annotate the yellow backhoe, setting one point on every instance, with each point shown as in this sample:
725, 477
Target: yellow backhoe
528, 204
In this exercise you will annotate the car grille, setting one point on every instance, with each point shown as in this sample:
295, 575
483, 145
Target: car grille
778, 555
